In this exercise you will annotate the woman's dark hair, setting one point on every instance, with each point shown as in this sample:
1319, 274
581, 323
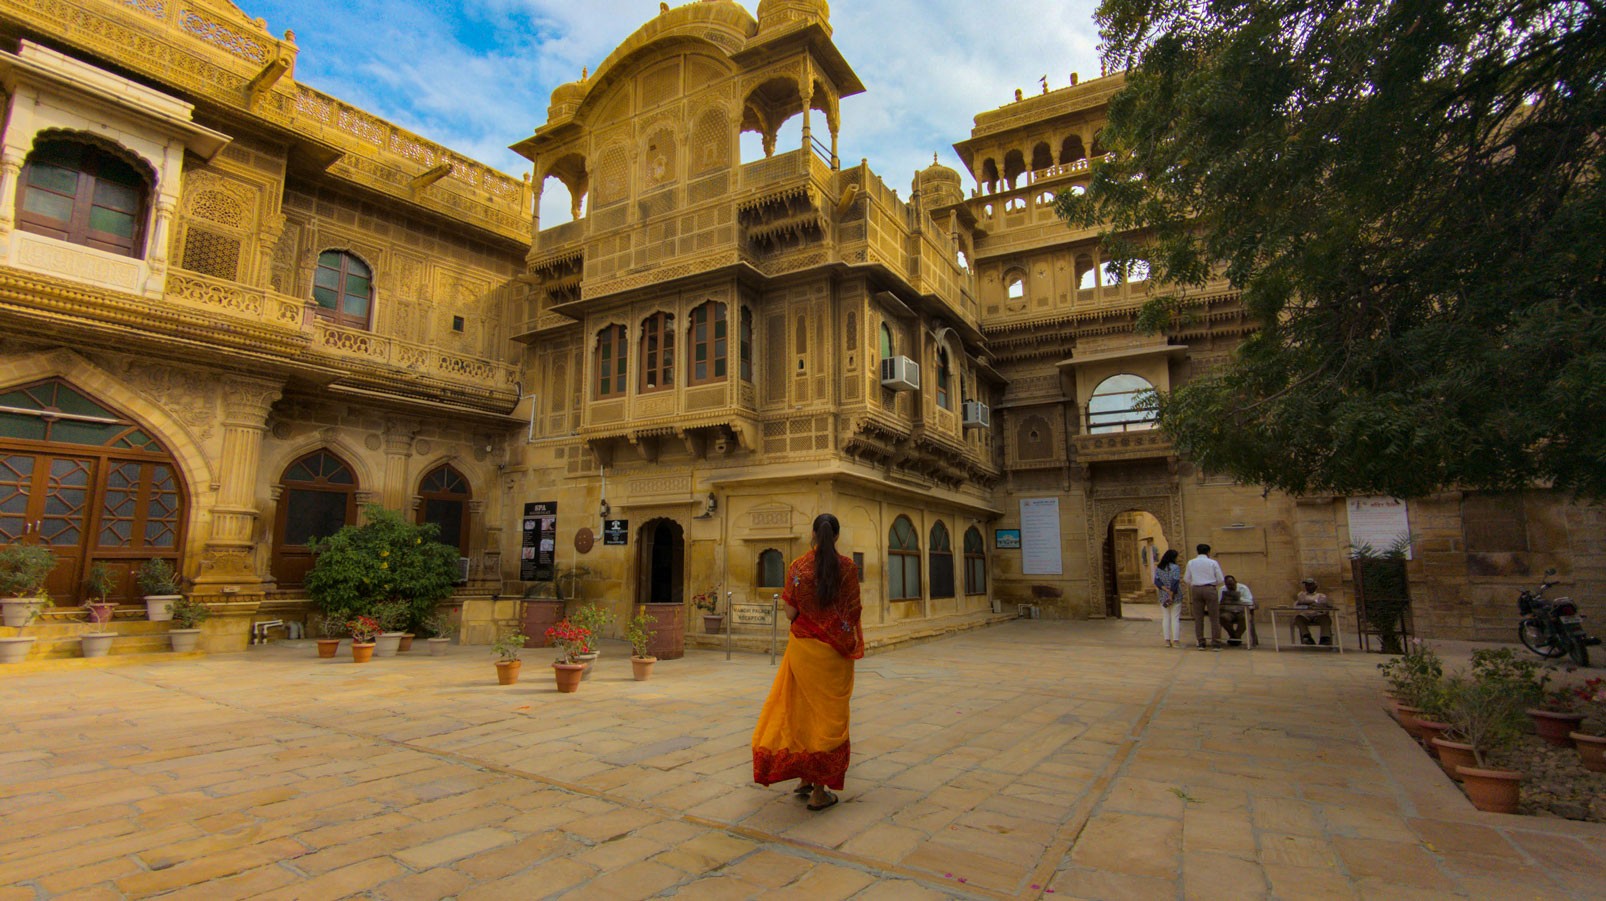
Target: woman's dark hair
827, 570
1169, 557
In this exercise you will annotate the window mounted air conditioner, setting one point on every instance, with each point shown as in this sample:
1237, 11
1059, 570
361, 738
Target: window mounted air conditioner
900, 374
977, 415
462, 570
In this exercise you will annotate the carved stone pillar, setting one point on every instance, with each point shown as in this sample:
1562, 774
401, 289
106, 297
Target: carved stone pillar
398, 453
268, 242
11, 160
227, 557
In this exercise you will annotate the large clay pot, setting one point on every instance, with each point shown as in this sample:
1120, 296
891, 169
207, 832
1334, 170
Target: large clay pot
589, 661
641, 667
507, 671
19, 611
362, 652
1453, 754
184, 640
328, 646
15, 650
1496, 791
159, 607
387, 643
714, 623
1431, 730
1555, 727
1408, 721
101, 613
97, 644
406, 642
437, 646
668, 631
568, 675
540, 614
1591, 751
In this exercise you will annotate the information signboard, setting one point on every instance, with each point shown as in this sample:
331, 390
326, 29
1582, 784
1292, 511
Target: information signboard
539, 540
615, 531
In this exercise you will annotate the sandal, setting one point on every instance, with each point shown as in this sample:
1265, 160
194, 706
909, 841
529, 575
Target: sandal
803, 790
830, 799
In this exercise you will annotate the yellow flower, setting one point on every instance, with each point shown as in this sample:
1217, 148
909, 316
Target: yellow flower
384, 566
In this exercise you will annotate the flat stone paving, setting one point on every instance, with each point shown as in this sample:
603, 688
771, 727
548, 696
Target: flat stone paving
1032, 759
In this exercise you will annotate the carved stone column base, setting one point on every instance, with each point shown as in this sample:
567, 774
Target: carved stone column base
229, 628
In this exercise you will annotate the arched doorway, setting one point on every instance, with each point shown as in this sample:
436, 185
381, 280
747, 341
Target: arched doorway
90, 484
444, 495
1133, 543
317, 496
662, 566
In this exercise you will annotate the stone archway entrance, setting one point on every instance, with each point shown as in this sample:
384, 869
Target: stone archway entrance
1133, 543
1161, 502
661, 567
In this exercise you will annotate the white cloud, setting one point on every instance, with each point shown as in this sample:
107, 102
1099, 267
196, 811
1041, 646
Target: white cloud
476, 75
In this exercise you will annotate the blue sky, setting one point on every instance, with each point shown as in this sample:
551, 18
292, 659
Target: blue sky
476, 75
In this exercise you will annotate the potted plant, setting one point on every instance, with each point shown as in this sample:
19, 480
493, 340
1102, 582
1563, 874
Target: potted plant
593, 619
1412, 677
507, 649
392, 617
384, 559
1486, 709
23, 570
188, 614
332, 627
436, 626
1591, 699
97, 586
1557, 717
639, 633
363, 630
708, 604
159, 584
16, 649
571, 640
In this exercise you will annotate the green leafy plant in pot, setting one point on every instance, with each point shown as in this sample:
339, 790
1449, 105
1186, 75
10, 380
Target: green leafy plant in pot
639, 633
159, 584
507, 649
98, 584
23, 570
571, 640
1485, 708
188, 614
384, 559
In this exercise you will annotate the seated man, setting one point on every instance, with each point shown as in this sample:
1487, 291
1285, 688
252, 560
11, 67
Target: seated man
1317, 602
1234, 620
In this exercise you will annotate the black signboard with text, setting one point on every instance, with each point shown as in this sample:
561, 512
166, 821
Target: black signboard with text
615, 531
538, 548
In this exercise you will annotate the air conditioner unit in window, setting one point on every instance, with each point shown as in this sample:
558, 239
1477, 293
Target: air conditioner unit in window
900, 374
462, 570
977, 415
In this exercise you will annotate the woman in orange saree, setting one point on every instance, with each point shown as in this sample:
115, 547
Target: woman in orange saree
802, 732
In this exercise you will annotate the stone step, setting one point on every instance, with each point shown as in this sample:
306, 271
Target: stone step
57, 664
56, 638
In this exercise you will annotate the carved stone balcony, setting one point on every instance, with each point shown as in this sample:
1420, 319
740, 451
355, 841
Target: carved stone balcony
1115, 447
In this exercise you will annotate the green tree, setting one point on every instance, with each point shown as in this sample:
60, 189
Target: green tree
1408, 196
384, 559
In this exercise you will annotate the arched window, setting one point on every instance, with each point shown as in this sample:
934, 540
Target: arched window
657, 352
771, 569
1071, 150
1137, 271
886, 342
1114, 405
1015, 204
944, 375
1112, 274
975, 562
1015, 286
445, 494
942, 562
611, 355
709, 341
78, 192
1014, 167
1086, 275
989, 174
343, 286
317, 496
747, 345
903, 561
1042, 157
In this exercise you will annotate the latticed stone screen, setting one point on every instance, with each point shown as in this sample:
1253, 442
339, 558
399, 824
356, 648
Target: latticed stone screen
710, 142
211, 254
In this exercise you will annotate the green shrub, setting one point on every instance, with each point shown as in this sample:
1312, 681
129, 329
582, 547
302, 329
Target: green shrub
1414, 676
23, 569
156, 576
188, 613
639, 631
384, 559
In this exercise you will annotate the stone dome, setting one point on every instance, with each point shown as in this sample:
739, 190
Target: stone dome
566, 99
939, 185
781, 14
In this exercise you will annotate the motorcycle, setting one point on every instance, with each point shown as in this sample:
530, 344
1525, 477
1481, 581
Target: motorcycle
1553, 627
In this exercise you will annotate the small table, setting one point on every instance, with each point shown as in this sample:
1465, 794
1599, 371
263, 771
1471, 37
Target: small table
1337, 631
1251, 635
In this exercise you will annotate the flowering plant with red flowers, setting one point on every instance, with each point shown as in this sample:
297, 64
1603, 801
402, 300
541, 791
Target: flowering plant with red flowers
1591, 700
572, 639
363, 629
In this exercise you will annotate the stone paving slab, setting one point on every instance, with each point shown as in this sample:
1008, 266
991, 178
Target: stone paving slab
1032, 759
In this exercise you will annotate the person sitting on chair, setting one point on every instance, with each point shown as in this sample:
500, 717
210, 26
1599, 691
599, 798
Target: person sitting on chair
1317, 602
1234, 620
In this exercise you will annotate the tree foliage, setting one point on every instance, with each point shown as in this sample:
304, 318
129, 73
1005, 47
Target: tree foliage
386, 559
1408, 196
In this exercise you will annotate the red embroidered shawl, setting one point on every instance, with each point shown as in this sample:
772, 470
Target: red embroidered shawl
838, 626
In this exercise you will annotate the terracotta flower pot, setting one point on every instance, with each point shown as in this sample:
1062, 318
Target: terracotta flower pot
362, 652
406, 642
1591, 751
568, 675
1496, 791
328, 646
1431, 730
1453, 754
641, 667
101, 614
1408, 721
713, 623
1555, 727
507, 671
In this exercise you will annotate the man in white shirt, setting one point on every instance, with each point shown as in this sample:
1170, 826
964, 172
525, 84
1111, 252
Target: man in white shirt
1204, 579
1235, 596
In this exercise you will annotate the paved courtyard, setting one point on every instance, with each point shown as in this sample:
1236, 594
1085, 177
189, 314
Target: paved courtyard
1032, 759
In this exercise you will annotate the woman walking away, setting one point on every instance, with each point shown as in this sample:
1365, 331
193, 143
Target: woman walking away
1168, 579
802, 732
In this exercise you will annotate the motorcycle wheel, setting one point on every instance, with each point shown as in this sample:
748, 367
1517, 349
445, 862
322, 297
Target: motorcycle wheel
1535, 639
1579, 651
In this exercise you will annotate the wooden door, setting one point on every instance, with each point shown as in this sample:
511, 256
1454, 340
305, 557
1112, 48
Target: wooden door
1126, 561
45, 500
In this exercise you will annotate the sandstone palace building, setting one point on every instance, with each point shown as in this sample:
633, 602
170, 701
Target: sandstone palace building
235, 309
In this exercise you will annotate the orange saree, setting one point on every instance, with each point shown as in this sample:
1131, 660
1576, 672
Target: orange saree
802, 732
